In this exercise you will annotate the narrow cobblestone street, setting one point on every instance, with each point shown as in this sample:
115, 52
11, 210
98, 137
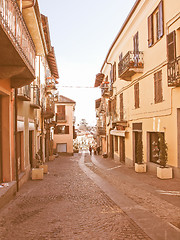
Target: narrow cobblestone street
69, 205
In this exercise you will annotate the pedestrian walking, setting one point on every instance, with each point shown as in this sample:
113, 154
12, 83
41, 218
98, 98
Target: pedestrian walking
90, 150
98, 150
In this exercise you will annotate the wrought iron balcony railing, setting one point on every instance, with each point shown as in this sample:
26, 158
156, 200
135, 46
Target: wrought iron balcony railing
106, 90
173, 69
131, 64
24, 93
12, 22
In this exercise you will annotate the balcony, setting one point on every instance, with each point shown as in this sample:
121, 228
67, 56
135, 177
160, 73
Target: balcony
49, 111
173, 73
17, 49
24, 93
131, 64
35, 98
106, 90
50, 84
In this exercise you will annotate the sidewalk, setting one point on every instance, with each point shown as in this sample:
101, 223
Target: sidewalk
160, 197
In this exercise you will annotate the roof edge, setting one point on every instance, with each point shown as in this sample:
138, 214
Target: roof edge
122, 28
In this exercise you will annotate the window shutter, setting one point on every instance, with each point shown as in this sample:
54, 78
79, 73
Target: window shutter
121, 107
114, 72
160, 20
136, 95
109, 107
171, 46
66, 129
150, 31
61, 112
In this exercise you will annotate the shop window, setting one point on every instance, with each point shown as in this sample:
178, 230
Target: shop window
155, 25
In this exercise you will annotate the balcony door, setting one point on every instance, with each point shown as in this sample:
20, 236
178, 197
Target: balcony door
136, 49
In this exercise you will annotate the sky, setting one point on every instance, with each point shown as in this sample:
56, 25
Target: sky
82, 32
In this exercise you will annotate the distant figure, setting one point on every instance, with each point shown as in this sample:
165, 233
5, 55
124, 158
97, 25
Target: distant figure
98, 150
95, 149
90, 149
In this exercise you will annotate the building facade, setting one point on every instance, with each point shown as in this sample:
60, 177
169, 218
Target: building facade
140, 85
27, 60
64, 131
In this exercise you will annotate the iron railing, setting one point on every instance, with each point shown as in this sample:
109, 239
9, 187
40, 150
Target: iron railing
131, 60
12, 22
24, 91
173, 69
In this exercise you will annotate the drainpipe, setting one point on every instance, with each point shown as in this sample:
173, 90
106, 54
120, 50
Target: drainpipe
15, 132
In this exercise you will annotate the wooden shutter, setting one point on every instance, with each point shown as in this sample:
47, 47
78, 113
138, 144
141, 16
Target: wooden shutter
109, 107
114, 72
158, 87
171, 46
61, 112
121, 107
136, 95
160, 20
150, 31
66, 129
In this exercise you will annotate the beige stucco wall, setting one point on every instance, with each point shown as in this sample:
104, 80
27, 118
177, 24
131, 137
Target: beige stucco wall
66, 138
154, 117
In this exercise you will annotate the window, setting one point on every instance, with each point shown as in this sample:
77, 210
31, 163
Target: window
158, 87
136, 95
60, 112
61, 129
121, 107
155, 25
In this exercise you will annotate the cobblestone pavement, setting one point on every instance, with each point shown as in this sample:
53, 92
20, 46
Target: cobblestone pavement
66, 204
160, 197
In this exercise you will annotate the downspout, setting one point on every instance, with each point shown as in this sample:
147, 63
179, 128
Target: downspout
15, 133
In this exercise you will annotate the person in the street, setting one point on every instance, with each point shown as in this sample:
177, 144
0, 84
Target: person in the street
98, 150
90, 150
94, 148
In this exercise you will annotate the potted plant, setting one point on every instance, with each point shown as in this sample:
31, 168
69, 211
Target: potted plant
163, 171
140, 166
37, 172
